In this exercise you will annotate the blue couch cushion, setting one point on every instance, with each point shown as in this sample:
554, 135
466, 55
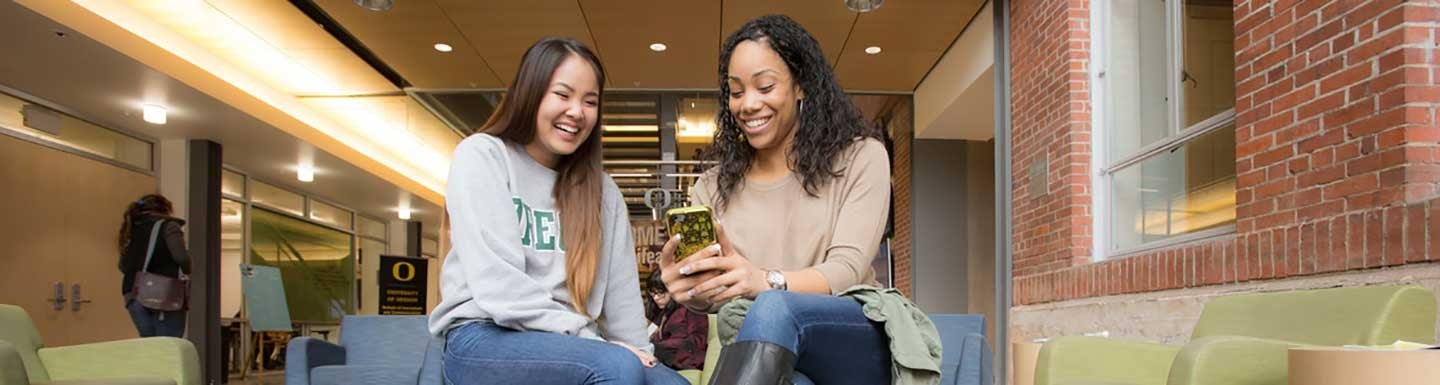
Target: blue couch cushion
364, 375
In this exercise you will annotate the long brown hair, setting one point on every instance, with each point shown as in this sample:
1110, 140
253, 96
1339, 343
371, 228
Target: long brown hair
578, 188
155, 204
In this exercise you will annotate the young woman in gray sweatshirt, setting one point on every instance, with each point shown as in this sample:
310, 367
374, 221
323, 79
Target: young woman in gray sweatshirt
540, 285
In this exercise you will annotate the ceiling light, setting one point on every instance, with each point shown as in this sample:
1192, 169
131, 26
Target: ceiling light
872, 50
305, 173
376, 5
442, 47
631, 128
154, 113
862, 6
405, 213
658, 47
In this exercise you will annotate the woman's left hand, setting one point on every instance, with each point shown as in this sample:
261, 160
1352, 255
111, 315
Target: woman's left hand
646, 359
738, 277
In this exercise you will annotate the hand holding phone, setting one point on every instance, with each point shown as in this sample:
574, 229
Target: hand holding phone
696, 227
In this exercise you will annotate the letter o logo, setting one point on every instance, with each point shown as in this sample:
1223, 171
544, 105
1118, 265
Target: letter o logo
395, 271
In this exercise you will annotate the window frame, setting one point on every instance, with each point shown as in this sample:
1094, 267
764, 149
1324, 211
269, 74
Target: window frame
1103, 169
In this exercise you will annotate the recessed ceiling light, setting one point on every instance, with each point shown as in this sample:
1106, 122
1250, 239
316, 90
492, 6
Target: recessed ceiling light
154, 113
658, 47
872, 50
305, 173
442, 47
405, 213
860, 6
376, 5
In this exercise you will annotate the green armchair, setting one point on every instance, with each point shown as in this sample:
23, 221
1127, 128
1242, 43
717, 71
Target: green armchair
25, 360
1244, 339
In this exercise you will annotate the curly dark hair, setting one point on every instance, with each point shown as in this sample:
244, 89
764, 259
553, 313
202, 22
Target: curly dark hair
828, 123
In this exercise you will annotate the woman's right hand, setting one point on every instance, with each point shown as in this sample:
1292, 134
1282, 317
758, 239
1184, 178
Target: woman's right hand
679, 284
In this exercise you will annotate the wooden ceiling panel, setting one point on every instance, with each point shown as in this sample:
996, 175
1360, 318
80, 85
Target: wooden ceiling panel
404, 38
502, 30
625, 30
912, 34
828, 20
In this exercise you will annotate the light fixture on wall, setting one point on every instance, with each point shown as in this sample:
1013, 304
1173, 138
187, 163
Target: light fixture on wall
305, 173
658, 47
154, 113
376, 5
442, 47
405, 213
872, 49
862, 6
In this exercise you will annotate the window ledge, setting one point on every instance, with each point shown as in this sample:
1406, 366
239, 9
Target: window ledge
1196, 237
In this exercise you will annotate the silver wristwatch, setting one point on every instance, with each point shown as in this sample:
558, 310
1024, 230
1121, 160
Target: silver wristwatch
776, 279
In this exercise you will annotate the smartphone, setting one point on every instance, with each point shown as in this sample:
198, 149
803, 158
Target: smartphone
695, 225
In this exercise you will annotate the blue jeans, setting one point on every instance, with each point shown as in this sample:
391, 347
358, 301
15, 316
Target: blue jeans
484, 353
833, 341
152, 323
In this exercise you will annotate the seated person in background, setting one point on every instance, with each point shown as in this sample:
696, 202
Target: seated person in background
680, 340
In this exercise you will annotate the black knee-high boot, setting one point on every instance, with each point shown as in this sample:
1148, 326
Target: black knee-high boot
754, 363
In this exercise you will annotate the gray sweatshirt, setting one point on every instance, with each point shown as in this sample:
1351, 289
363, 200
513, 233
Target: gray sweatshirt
507, 263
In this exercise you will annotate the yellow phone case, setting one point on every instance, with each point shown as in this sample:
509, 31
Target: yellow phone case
695, 225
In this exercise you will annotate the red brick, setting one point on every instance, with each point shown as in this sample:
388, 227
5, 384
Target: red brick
1394, 235
1248, 265
1352, 185
1385, 41
1321, 253
1265, 263
1415, 233
1374, 238
1349, 113
1433, 230
1347, 77
1335, 250
1321, 210
1386, 120
1355, 250
1320, 106
1321, 176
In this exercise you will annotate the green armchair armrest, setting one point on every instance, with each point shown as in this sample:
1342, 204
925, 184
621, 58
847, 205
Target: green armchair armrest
1091, 360
12, 368
1233, 360
162, 357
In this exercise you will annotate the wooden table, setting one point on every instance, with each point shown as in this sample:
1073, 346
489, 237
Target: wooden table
1340, 366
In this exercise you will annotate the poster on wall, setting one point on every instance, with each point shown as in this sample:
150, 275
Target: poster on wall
649, 239
403, 284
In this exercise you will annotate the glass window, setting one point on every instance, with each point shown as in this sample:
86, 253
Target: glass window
276, 198
232, 184
317, 264
1176, 193
1170, 166
56, 127
1135, 76
326, 213
371, 228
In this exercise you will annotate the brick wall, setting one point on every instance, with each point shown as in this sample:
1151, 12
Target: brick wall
1051, 119
902, 132
1337, 155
